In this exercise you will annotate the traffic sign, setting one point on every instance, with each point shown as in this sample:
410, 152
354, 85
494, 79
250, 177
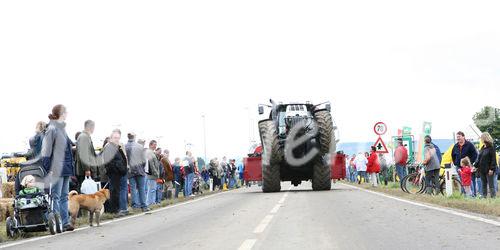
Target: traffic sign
427, 127
406, 131
380, 128
380, 146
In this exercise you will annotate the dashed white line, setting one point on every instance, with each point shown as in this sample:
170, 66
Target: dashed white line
275, 208
282, 200
263, 224
247, 244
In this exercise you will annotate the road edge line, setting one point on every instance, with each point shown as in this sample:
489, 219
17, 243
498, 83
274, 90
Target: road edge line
441, 209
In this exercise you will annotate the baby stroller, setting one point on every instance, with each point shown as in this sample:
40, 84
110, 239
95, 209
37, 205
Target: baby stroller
197, 184
33, 212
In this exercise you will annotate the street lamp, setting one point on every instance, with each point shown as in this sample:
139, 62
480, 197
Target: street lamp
204, 137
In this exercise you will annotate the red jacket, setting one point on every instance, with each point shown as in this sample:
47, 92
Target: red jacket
401, 155
373, 164
466, 174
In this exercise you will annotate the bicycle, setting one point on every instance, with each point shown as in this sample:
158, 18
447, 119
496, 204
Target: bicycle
414, 183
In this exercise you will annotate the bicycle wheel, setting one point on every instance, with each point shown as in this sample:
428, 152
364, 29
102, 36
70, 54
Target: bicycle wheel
401, 184
456, 189
412, 183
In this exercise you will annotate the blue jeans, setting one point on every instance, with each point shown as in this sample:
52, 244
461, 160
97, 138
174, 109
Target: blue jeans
151, 192
473, 187
159, 192
123, 201
354, 176
138, 191
460, 178
223, 181
362, 176
177, 185
479, 186
188, 184
401, 171
60, 190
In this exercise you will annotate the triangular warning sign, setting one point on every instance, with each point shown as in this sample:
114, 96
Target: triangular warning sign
380, 146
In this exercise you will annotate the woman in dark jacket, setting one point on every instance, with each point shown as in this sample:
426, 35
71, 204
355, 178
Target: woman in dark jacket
57, 160
116, 167
487, 164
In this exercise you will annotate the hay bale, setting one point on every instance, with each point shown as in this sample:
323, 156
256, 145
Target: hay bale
6, 208
8, 190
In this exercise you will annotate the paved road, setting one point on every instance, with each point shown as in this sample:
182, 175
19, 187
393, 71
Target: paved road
343, 218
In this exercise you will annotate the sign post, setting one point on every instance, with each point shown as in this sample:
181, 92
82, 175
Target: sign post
380, 129
448, 180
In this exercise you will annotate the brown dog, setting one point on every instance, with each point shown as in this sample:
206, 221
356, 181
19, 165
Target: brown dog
90, 202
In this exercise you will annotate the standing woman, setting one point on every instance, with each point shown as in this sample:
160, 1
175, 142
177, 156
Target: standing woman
57, 160
116, 168
373, 167
487, 164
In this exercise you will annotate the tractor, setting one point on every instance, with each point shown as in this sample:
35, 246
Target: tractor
298, 144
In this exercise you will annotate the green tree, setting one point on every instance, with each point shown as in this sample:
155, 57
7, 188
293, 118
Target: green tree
488, 120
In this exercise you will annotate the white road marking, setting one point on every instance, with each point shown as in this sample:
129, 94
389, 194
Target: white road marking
263, 224
282, 200
21, 242
444, 210
275, 209
247, 244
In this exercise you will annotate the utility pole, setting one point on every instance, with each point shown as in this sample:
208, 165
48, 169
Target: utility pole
204, 137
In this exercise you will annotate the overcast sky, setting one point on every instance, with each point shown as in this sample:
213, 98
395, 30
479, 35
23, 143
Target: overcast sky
154, 67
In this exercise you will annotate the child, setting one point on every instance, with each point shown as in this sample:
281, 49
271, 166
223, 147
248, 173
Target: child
466, 174
28, 183
29, 188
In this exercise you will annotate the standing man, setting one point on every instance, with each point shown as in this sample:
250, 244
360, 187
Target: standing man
167, 166
223, 177
176, 168
160, 181
384, 168
116, 168
400, 158
214, 173
353, 170
137, 174
432, 167
463, 148
86, 158
189, 172
153, 173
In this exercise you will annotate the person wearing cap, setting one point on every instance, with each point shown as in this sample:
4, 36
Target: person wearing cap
432, 167
400, 158
438, 150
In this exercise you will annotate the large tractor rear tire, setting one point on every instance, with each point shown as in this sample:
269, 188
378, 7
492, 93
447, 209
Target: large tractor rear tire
271, 157
326, 133
321, 175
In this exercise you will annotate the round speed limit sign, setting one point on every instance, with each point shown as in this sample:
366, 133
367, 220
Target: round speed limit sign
380, 128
